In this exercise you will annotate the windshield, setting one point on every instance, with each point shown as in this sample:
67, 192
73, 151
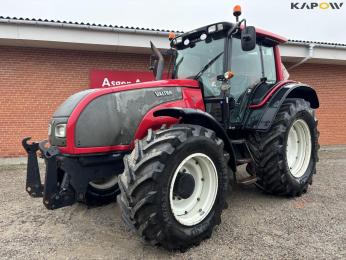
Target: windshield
202, 60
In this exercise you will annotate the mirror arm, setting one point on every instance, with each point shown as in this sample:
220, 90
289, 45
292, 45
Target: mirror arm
236, 27
239, 23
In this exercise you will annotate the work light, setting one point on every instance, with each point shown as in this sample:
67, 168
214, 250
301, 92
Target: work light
178, 40
212, 29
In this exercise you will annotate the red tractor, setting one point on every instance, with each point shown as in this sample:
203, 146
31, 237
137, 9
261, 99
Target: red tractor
169, 148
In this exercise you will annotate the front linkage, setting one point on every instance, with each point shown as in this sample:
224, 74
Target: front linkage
66, 178
55, 194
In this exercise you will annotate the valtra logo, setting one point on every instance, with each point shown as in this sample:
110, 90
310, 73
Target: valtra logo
316, 5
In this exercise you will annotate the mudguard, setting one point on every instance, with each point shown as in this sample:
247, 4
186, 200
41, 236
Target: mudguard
261, 116
198, 117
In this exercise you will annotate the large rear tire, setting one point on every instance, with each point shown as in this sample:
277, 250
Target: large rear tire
286, 155
174, 186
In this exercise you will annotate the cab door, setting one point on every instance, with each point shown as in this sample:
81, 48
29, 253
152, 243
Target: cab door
250, 69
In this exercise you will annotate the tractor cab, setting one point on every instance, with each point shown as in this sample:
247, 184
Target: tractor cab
232, 62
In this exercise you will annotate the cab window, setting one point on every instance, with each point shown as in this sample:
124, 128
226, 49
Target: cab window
246, 66
269, 64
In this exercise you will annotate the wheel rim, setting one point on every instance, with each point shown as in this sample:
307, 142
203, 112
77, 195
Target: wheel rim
196, 207
298, 149
104, 184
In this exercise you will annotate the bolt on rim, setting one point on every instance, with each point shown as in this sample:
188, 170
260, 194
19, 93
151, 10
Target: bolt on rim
193, 209
298, 148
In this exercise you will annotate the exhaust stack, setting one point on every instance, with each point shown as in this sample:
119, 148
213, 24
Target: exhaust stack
158, 63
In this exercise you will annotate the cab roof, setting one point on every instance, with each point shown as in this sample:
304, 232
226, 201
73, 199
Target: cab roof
227, 25
265, 34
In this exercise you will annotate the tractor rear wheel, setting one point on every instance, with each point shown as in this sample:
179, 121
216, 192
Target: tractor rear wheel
285, 156
174, 186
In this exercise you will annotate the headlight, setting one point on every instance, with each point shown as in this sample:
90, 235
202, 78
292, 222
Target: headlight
60, 130
49, 129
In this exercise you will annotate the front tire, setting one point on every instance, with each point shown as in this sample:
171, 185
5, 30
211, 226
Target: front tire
285, 157
102, 192
174, 186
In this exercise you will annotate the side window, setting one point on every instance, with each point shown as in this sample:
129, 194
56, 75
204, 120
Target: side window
246, 66
269, 64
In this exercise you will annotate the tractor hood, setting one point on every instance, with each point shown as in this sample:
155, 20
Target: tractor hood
66, 108
110, 116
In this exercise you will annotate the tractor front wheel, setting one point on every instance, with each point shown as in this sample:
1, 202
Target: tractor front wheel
103, 191
285, 156
174, 185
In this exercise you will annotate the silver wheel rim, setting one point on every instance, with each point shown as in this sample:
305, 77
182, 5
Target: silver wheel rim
195, 208
298, 149
106, 184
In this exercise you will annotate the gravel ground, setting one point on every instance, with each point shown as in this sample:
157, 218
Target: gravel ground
255, 225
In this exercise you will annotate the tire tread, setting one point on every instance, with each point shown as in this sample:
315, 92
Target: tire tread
269, 153
139, 196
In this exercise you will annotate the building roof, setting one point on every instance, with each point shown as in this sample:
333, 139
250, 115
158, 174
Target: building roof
4, 19
45, 33
316, 42
33, 20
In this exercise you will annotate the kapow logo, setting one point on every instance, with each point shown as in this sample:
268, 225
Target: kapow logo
315, 5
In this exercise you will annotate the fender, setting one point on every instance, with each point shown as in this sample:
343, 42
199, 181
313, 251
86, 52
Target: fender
261, 116
198, 117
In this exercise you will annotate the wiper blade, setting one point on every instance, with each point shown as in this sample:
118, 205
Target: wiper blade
179, 62
207, 66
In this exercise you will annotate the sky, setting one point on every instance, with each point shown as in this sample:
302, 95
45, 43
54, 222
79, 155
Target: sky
326, 25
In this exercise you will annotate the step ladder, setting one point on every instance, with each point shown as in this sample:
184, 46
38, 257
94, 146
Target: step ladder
243, 156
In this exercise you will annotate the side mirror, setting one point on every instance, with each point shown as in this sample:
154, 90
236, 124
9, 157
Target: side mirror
248, 38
